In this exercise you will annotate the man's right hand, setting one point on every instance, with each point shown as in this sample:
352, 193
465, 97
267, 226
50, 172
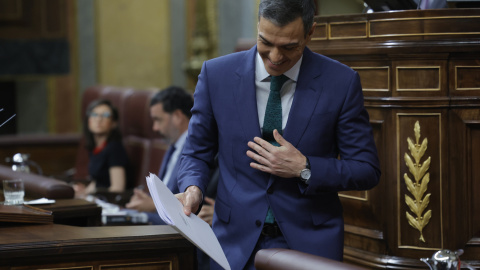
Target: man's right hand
190, 199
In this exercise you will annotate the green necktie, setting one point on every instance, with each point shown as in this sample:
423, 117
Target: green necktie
273, 120
273, 112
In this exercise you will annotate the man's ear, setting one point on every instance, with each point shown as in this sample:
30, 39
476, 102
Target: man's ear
312, 30
177, 116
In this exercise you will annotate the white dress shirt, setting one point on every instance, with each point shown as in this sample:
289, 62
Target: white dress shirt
262, 83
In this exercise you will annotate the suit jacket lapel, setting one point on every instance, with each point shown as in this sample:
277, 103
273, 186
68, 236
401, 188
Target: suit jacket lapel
246, 97
305, 99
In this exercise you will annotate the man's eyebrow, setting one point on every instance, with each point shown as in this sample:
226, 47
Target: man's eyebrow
284, 45
264, 39
290, 44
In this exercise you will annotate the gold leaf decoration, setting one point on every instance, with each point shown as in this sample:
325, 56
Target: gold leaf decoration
418, 186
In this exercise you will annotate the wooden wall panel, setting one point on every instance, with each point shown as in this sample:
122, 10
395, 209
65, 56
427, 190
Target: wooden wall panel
375, 74
375, 78
427, 26
400, 27
420, 72
467, 78
474, 161
419, 78
343, 30
425, 77
465, 175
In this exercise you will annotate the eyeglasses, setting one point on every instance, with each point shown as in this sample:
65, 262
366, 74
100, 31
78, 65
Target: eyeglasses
101, 115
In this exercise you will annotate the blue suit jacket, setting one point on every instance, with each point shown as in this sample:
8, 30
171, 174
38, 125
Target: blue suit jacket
327, 123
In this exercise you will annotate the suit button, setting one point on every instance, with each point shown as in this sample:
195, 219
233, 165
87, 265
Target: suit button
270, 190
258, 223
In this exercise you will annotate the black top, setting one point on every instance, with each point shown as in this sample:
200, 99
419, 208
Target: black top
112, 155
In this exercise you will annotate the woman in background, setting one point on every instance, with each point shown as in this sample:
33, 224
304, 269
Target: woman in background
108, 166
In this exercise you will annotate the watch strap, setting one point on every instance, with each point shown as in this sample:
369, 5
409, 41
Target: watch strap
307, 165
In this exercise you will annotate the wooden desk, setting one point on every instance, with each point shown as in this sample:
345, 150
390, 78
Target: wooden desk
56, 246
75, 212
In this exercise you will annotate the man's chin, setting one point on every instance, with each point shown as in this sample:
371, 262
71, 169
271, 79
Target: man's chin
275, 70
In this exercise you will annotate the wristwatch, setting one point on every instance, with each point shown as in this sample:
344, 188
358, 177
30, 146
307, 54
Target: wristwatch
305, 174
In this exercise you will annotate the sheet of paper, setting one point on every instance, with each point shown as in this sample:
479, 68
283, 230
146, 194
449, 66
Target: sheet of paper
40, 201
191, 227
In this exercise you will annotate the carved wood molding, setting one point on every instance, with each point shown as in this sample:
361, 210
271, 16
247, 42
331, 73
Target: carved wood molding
418, 186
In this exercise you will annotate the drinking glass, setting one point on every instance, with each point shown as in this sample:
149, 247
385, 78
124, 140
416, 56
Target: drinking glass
13, 191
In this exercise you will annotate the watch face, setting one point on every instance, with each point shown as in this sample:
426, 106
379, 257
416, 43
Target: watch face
305, 174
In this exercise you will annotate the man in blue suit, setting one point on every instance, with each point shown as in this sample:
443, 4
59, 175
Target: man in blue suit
282, 159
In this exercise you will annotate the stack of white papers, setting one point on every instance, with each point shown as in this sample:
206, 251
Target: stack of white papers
191, 227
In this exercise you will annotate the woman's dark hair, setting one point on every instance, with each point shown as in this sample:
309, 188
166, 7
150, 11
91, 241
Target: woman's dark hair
114, 135
283, 12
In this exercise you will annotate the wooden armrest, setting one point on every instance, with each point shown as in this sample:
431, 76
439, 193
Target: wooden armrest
283, 259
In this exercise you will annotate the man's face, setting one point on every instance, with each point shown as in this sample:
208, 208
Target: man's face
281, 47
163, 123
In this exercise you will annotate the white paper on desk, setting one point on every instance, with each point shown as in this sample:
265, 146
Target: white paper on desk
191, 227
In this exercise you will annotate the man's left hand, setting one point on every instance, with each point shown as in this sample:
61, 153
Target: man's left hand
284, 160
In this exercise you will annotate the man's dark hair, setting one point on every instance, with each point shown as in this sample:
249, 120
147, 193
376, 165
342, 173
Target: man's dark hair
114, 135
174, 98
283, 12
